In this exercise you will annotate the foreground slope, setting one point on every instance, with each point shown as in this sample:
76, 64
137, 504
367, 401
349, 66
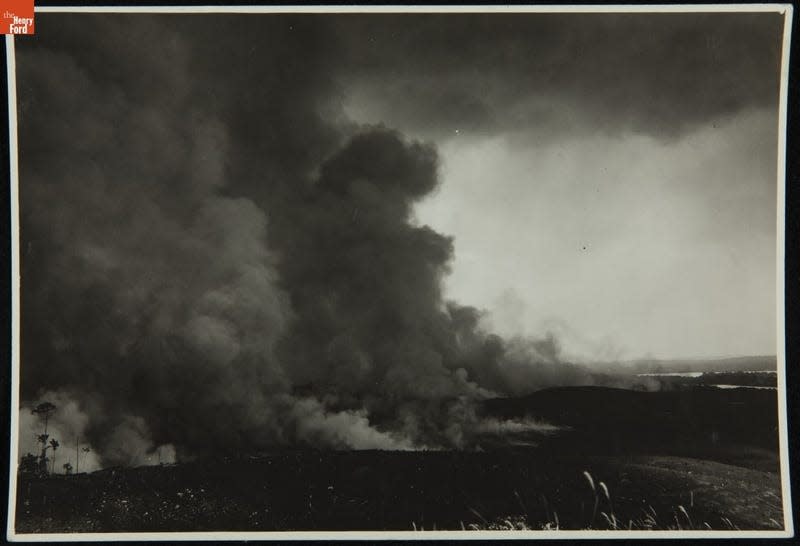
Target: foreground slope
700, 459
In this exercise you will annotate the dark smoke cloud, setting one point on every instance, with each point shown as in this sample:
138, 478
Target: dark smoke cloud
146, 287
656, 74
214, 258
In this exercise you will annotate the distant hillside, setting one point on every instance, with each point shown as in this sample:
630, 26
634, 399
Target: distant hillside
700, 422
734, 364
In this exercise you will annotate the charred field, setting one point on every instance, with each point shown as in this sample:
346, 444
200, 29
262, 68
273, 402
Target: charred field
694, 458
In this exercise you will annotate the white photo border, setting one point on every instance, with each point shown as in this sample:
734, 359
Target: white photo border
788, 531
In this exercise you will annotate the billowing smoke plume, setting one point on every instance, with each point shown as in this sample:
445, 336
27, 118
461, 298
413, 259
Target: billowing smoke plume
213, 259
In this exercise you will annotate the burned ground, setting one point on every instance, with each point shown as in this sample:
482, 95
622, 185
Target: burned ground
727, 481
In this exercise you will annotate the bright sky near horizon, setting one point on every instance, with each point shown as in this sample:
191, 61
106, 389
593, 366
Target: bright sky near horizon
624, 247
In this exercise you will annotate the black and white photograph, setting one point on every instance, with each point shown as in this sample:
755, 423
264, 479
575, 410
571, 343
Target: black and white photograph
386, 272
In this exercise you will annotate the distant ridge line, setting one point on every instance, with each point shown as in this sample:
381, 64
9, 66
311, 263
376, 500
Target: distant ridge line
725, 364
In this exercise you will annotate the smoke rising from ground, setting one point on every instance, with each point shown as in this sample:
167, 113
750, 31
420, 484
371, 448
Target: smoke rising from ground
215, 260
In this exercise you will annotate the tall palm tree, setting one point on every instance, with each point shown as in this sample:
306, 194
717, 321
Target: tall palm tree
42, 438
54, 445
44, 410
85, 449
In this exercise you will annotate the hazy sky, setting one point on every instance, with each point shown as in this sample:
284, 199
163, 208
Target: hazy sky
609, 178
623, 246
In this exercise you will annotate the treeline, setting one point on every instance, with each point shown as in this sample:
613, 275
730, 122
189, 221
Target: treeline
44, 463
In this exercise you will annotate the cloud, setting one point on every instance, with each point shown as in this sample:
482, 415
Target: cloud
560, 74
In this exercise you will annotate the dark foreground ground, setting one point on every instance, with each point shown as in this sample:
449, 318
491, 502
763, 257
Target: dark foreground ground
668, 460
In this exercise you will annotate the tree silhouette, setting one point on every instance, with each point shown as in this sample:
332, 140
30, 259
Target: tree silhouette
42, 438
29, 465
44, 410
85, 449
54, 445
67, 468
